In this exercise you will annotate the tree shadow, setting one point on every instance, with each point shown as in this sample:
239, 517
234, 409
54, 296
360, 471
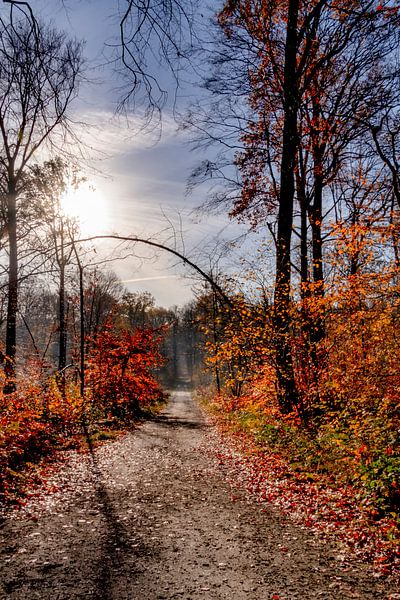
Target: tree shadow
117, 545
173, 422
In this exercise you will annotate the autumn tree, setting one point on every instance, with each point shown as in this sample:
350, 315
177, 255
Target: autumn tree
39, 76
121, 370
304, 78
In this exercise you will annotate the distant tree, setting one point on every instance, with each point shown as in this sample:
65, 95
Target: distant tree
193, 341
37, 332
103, 292
134, 308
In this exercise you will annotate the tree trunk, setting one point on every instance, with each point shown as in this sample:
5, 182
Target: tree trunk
215, 340
12, 306
82, 327
287, 393
62, 344
395, 236
304, 270
318, 327
174, 348
302, 198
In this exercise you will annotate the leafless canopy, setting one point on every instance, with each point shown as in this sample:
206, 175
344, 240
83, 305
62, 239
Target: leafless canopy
39, 76
155, 36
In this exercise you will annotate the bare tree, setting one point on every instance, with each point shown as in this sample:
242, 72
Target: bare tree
155, 37
386, 137
39, 75
46, 185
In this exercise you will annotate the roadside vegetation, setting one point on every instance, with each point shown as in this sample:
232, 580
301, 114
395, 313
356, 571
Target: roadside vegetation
342, 440
48, 414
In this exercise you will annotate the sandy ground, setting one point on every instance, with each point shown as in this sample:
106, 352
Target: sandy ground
151, 516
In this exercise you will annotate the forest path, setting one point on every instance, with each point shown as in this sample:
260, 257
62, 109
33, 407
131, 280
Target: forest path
150, 517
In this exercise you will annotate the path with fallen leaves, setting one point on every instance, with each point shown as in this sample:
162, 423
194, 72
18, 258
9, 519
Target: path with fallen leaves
150, 517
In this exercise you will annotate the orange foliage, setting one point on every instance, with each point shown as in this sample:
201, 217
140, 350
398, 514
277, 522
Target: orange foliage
34, 421
44, 415
120, 370
348, 382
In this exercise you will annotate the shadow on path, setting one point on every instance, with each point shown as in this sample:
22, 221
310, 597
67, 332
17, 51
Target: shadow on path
169, 421
116, 543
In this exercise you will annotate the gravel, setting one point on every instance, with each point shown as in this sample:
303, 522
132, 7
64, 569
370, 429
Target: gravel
151, 516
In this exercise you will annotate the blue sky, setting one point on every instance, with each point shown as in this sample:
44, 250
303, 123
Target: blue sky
140, 179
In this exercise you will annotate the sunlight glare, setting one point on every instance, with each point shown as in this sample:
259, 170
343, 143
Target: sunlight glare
88, 206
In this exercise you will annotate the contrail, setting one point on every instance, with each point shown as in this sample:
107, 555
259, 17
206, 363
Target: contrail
149, 278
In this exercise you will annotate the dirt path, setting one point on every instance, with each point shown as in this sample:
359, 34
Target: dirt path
151, 517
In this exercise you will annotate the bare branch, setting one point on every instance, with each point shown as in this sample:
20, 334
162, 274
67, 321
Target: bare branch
160, 246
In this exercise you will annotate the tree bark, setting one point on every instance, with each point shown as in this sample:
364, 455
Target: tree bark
12, 305
302, 198
62, 349
318, 327
287, 393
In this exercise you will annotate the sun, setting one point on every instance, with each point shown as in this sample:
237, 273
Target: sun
88, 206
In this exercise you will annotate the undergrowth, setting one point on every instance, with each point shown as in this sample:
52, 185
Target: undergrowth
358, 483
45, 415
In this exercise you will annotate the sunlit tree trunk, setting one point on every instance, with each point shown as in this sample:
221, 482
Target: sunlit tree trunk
318, 151
215, 340
82, 324
175, 347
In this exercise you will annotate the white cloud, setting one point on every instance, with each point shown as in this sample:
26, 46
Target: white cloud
138, 279
108, 136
